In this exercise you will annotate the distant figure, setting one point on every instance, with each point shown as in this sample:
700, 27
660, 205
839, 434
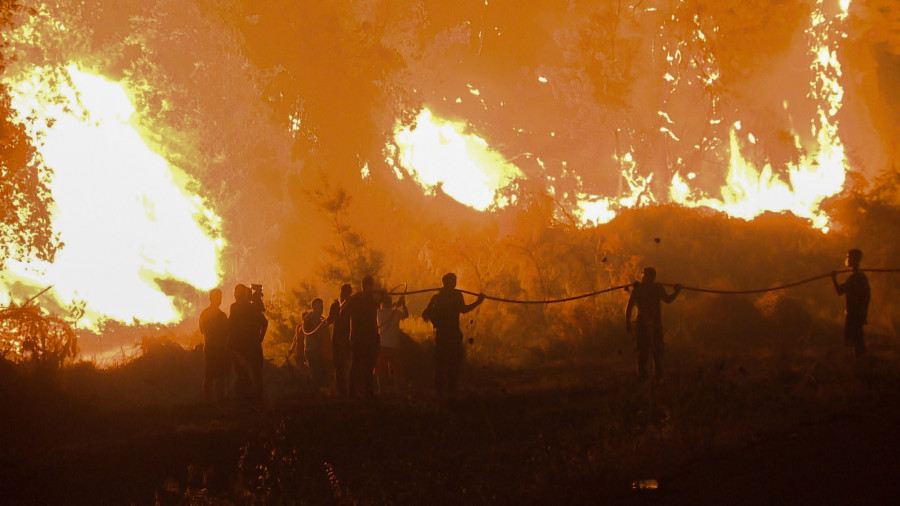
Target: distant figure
315, 332
247, 329
856, 288
340, 340
362, 309
443, 312
647, 296
390, 363
214, 327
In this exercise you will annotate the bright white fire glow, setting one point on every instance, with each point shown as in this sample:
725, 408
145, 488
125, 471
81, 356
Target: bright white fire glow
438, 152
123, 214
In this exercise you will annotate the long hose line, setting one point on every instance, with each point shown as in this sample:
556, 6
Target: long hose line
620, 287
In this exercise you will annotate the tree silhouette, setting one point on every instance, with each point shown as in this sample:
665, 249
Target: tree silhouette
25, 228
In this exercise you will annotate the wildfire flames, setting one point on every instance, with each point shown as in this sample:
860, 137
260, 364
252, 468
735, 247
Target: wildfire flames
672, 130
441, 153
123, 214
437, 151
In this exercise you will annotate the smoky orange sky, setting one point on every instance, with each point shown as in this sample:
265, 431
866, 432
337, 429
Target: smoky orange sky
264, 104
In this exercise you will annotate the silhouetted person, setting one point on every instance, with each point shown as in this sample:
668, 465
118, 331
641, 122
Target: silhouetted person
443, 312
647, 296
857, 292
247, 329
390, 363
364, 342
214, 327
315, 332
340, 340
298, 350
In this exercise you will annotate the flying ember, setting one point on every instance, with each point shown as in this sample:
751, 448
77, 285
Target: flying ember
122, 212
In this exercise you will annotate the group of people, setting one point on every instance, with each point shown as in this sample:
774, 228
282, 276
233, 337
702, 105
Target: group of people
365, 338
363, 329
365, 334
234, 343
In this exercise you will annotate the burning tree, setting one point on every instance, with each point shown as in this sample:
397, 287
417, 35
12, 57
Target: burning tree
25, 199
28, 333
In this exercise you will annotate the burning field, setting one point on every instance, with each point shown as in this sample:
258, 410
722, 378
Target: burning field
154, 150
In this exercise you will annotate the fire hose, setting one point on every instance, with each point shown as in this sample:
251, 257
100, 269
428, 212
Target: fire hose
627, 286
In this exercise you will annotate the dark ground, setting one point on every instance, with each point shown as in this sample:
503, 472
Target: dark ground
801, 428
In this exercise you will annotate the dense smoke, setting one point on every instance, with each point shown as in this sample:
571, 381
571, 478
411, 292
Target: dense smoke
282, 113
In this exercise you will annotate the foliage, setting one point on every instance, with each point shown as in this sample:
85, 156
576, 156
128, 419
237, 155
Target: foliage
283, 309
29, 334
351, 258
25, 199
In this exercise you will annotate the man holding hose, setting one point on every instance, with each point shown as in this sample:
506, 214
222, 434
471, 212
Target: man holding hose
856, 288
647, 296
443, 312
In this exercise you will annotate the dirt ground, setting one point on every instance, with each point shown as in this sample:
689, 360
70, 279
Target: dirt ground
812, 427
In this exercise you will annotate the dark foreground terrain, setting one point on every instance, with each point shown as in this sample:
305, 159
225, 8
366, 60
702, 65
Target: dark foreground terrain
793, 428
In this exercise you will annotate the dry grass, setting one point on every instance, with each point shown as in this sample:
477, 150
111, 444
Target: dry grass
566, 431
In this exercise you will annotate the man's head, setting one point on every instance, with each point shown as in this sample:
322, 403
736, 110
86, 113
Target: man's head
649, 275
317, 305
387, 302
854, 257
215, 297
368, 283
241, 293
346, 291
449, 280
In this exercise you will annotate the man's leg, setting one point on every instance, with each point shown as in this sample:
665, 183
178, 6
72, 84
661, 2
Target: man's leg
441, 365
656, 349
853, 334
455, 362
356, 366
341, 369
642, 343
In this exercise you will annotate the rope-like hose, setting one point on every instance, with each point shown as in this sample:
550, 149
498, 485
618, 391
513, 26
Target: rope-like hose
620, 287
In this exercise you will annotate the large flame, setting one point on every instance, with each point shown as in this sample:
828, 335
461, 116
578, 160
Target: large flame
123, 214
440, 153
436, 151
820, 173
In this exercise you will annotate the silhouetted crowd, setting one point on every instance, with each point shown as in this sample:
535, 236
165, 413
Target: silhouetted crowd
234, 342
364, 331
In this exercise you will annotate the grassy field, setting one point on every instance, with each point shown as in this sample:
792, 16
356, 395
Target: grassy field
806, 427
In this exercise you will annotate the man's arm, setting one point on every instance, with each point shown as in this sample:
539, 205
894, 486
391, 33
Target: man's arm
428, 313
404, 311
629, 308
838, 287
469, 307
346, 308
667, 298
333, 312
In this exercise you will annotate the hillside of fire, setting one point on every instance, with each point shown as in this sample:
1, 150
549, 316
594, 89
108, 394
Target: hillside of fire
547, 154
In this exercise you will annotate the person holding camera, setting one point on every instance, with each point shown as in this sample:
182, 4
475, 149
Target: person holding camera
247, 325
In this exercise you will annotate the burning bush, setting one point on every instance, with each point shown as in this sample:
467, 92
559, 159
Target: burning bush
30, 334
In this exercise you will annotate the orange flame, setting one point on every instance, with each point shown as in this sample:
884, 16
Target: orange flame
122, 212
439, 152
